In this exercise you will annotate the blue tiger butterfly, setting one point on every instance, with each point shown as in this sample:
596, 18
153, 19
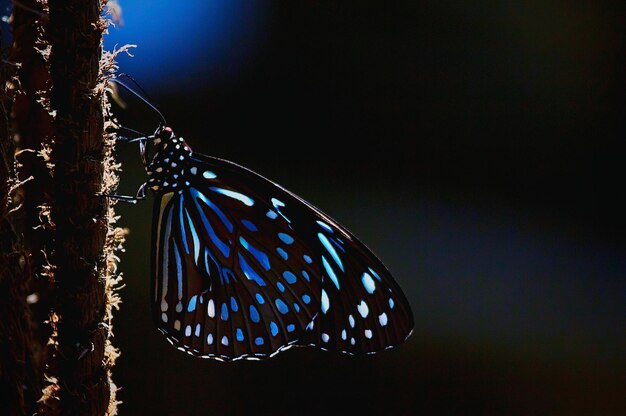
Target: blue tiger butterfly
242, 268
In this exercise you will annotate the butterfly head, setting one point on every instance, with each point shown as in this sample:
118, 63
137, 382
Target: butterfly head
165, 156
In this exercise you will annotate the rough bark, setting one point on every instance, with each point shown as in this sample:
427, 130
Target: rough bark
78, 216
20, 360
61, 256
31, 123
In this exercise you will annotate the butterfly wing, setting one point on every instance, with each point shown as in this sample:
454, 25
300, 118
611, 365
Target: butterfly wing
243, 268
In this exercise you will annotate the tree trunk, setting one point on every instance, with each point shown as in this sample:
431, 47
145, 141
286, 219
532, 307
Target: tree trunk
79, 217
68, 242
20, 368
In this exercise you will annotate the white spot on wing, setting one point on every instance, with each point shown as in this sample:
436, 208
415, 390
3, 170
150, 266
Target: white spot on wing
368, 283
325, 302
363, 309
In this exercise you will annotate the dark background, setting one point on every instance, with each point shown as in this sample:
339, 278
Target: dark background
474, 146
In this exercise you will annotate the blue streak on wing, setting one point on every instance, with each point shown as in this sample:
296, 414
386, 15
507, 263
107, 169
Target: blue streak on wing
179, 271
249, 271
207, 226
375, 274
282, 253
330, 271
337, 244
194, 234
182, 225
215, 208
258, 254
249, 225
277, 204
325, 226
331, 250
235, 195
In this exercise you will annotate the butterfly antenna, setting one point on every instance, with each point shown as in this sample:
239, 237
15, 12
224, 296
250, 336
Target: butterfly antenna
141, 97
142, 136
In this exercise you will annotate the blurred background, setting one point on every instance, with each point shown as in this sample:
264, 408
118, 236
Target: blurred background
474, 146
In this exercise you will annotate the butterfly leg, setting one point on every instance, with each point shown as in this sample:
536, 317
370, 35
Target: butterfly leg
141, 195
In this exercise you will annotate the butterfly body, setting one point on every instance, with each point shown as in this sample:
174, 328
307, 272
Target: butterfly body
243, 268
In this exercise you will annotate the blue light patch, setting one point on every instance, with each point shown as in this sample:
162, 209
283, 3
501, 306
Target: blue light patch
249, 272
235, 195
215, 208
289, 277
260, 299
233, 304
391, 303
273, 328
291, 328
271, 215
224, 314
259, 341
192, 303
306, 299
331, 250
325, 226
307, 259
258, 254
280, 287
296, 307
249, 225
239, 335
325, 302
286, 238
282, 307
306, 275
368, 283
330, 271
254, 314
282, 253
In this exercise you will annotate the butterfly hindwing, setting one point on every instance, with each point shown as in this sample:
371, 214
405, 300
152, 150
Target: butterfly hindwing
242, 268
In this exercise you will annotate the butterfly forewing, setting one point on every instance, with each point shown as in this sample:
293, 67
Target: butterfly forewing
242, 268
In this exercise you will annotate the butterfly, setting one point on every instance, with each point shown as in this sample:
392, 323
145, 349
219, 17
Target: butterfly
242, 268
